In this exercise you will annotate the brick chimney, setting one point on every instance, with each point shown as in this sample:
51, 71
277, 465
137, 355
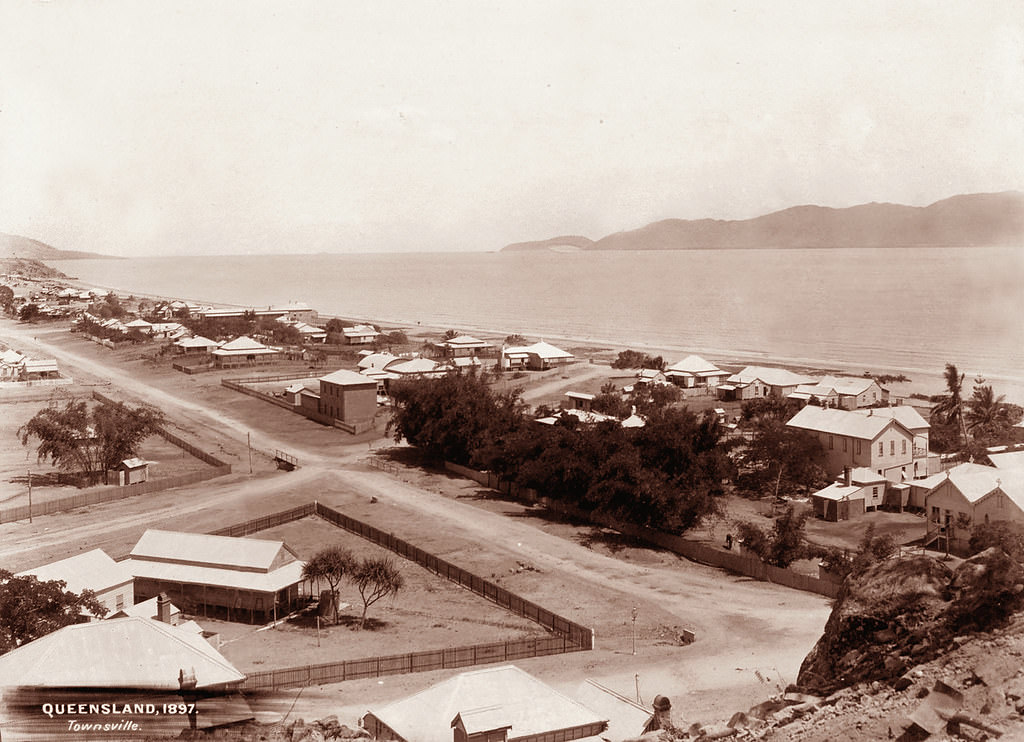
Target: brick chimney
163, 608
847, 476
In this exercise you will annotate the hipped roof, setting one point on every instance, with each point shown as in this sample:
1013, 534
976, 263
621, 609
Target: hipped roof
841, 422
131, 652
510, 696
92, 570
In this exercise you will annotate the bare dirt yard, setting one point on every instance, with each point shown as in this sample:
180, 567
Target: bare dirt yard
751, 636
429, 612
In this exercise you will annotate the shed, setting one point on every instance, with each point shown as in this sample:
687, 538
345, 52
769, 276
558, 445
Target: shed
132, 471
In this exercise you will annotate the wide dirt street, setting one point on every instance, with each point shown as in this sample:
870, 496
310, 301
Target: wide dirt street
751, 636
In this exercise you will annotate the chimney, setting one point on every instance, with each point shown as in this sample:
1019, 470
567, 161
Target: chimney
847, 476
662, 715
163, 608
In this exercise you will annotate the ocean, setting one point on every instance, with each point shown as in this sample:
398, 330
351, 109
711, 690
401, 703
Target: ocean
912, 309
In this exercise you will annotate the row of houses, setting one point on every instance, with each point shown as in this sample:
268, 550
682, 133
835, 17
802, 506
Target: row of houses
15, 366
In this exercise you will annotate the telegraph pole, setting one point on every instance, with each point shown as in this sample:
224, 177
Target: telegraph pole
29, 495
248, 442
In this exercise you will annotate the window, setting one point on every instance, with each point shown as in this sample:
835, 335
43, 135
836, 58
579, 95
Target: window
892, 448
119, 602
904, 446
936, 517
844, 445
858, 448
831, 443
881, 448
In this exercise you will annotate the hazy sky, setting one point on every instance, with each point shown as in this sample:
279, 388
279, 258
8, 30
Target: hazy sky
139, 128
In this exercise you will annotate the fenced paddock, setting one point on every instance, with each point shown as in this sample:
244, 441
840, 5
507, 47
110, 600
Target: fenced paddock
565, 635
215, 468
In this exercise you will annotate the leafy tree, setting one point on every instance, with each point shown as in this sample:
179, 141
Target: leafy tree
30, 609
29, 312
77, 438
1006, 535
949, 409
783, 459
784, 545
636, 359
335, 325
120, 430
375, 578
453, 416
648, 397
6, 297
331, 564
515, 339
450, 334
763, 410
610, 401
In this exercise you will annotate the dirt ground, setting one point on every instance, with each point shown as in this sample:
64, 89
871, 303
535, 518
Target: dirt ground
751, 636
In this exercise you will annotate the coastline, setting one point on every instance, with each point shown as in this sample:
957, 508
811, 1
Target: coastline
921, 381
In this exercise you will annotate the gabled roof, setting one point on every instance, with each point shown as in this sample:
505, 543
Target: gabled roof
196, 342
360, 331
33, 365
626, 717
974, 482
510, 696
11, 357
133, 463
131, 652
838, 491
92, 570
930, 483
694, 366
249, 554
544, 350
770, 376
1007, 460
842, 422
344, 377
464, 341
864, 475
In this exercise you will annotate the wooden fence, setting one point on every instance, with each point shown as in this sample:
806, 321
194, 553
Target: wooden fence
439, 659
744, 564
566, 636
239, 386
110, 494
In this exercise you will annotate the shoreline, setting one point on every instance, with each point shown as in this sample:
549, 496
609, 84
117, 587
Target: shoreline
921, 381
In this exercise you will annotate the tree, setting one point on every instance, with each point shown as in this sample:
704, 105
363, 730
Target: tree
1006, 535
515, 339
6, 298
986, 416
28, 312
784, 545
450, 334
335, 325
331, 564
77, 438
783, 458
949, 409
30, 609
375, 578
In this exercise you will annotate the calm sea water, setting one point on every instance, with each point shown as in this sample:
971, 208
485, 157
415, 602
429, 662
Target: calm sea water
894, 308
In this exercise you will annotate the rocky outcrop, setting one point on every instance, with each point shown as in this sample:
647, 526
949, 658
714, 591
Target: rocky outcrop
907, 611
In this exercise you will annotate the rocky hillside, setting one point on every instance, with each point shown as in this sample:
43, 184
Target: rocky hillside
913, 650
28, 268
989, 219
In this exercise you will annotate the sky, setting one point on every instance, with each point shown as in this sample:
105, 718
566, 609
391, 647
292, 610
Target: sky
242, 127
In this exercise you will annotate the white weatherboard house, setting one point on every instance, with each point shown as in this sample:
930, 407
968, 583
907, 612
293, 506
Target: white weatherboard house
761, 381
243, 351
694, 371
892, 441
92, 570
131, 652
847, 392
540, 356
497, 704
968, 496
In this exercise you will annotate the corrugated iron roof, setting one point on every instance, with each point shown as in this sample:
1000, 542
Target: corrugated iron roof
211, 551
770, 376
695, 365
905, 414
841, 422
131, 652
529, 706
93, 570
344, 377
193, 574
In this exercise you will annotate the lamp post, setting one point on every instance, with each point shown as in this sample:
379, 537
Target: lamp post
634, 629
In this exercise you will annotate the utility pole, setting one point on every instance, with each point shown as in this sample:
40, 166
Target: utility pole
634, 629
248, 442
29, 495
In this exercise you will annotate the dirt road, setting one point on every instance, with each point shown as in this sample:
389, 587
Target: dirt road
744, 628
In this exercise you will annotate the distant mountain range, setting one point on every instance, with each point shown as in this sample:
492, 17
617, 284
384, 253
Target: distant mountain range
14, 246
979, 219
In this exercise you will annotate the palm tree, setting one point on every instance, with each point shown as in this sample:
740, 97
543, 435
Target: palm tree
950, 408
984, 410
